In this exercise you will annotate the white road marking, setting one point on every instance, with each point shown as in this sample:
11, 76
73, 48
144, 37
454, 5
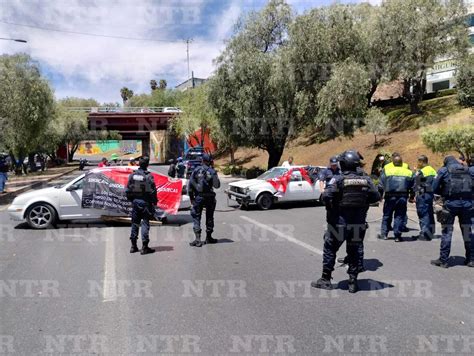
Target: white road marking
109, 287
281, 234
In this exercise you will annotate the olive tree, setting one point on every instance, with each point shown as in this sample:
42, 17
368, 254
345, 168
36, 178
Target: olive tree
458, 138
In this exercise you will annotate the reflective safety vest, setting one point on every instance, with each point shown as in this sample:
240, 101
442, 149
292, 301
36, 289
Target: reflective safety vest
391, 165
397, 180
424, 180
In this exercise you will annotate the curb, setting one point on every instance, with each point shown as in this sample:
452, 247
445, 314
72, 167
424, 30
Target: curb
8, 198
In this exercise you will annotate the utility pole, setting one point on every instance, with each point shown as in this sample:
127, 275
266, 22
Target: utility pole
188, 41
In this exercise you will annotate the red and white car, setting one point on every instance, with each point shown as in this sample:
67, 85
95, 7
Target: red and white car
279, 184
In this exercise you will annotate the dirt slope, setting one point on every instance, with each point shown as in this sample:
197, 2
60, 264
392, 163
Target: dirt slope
407, 142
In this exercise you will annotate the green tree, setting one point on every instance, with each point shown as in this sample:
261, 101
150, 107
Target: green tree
197, 114
318, 40
465, 81
342, 101
26, 104
253, 91
163, 84
126, 94
458, 138
419, 31
376, 122
157, 98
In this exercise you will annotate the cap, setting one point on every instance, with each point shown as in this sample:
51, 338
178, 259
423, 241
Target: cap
333, 160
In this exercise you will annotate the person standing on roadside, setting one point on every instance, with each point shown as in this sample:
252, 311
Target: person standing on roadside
424, 177
201, 187
141, 191
454, 182
4, 168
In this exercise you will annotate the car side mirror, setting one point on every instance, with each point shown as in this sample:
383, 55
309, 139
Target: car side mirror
72, 188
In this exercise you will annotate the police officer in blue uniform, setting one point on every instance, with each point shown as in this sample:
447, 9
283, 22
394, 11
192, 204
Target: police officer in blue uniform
180, 168
424, 177
347, 197
454, 183
328, 173
141, 191
396, 183
201, 185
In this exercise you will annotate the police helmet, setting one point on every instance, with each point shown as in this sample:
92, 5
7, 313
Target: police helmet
349, 160
206, 158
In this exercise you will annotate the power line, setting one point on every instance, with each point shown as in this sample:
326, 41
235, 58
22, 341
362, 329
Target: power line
87, 34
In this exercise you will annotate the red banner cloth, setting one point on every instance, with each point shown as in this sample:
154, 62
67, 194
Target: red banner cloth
104, 188
281, 182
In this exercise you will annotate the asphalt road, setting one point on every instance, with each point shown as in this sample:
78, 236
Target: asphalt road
77, 290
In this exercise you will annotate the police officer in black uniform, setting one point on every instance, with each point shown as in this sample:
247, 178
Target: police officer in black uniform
348, 197
202, 182
141, 191
454, 183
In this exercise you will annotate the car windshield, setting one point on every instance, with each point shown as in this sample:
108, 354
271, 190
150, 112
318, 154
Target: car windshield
273, 173
193, 155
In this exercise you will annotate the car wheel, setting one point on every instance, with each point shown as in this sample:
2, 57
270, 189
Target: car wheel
41, 216
265, 201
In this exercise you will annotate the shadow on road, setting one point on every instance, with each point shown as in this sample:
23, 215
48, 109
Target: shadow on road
367, 285
457, 261
372, 264
163, 248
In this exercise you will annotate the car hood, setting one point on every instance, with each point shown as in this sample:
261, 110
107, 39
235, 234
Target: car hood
45, 192
249, 183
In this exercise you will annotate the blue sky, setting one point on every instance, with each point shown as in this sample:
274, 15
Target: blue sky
87, 66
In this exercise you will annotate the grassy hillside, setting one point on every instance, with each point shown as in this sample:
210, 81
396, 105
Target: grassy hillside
404, 137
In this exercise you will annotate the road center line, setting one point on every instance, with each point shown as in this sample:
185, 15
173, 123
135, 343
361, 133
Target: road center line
109, 286
281, 234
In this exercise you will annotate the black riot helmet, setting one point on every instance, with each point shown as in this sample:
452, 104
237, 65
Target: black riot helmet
349, 160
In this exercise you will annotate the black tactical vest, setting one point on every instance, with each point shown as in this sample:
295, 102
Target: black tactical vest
354, 192
459, 184
203, 181
141, 186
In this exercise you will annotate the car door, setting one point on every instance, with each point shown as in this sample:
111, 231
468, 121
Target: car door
70, 203
296, 188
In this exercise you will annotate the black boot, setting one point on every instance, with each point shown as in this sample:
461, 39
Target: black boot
210, 239
145, 249
353, 286
324, 282
134, 247
197, 242
439, 263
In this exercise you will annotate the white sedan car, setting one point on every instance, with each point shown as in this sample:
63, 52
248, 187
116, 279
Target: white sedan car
42, 208
279, 184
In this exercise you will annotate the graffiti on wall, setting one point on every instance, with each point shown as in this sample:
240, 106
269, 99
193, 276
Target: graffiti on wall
110, 146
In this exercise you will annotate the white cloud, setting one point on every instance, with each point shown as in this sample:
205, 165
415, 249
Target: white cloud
99, 67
